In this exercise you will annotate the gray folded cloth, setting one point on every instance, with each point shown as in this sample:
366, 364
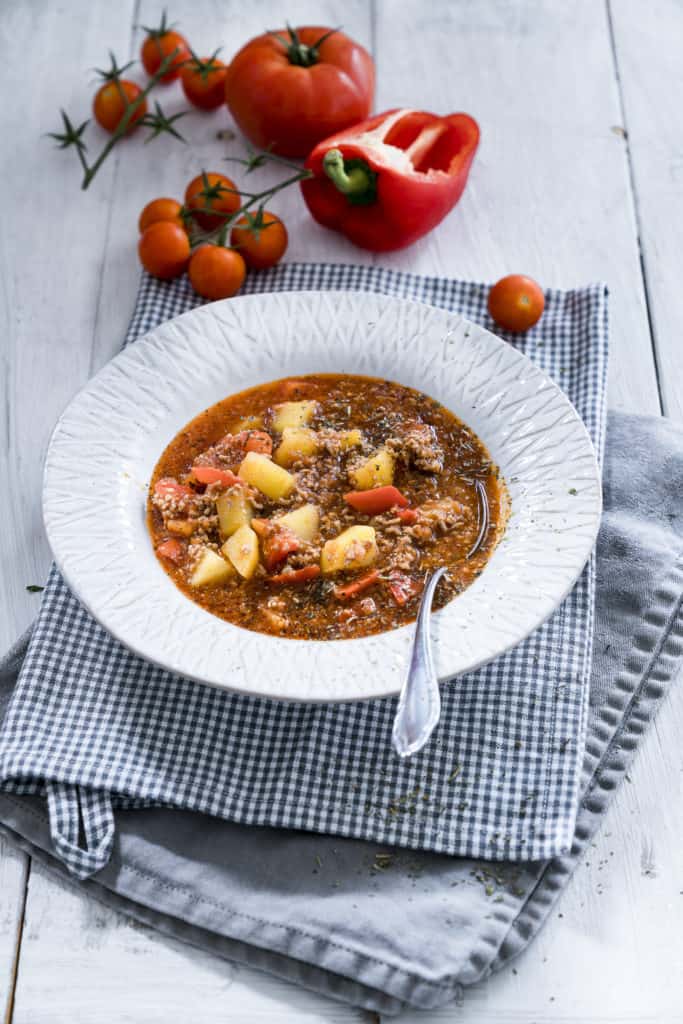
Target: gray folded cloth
382, 928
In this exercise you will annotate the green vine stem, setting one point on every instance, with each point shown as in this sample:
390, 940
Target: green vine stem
157, 121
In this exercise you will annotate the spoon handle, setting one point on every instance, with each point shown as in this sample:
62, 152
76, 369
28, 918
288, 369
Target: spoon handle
419, 705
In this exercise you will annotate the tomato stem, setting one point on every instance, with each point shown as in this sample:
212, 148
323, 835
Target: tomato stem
254, 198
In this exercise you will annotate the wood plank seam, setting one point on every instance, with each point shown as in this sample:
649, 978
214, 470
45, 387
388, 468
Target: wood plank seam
110, 212
634, 200
9, 1012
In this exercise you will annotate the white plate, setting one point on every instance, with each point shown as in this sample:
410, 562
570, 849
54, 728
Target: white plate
108, 441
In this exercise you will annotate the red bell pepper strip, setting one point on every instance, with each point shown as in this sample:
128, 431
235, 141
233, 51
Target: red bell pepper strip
173, 550
408, 516
402, 587
389, 180
357, 587
168, 487
376, 500
211, 475
309, 572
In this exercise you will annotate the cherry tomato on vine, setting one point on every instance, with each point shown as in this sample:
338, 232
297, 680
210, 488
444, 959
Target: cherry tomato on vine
111, 101
160, 43
215, 191
516, 302
216, 272
261, 239
164, 250
203, 82
161, 210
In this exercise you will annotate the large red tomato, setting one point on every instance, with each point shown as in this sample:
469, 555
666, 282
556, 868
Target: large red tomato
287, 90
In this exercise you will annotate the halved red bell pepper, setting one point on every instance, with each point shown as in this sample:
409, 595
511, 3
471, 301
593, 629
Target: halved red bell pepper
376, 500
389, 180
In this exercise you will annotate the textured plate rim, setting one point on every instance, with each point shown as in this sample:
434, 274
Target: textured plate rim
401, 637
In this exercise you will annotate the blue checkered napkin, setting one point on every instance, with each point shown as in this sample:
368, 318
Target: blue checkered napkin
95, 728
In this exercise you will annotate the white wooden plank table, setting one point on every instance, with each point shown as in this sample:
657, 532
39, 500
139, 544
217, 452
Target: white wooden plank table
579, 177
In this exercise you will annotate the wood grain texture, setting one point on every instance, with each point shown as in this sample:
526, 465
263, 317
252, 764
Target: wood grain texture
84, 964
648, 52
550, 194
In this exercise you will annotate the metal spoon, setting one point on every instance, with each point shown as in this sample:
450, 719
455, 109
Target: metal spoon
419, 705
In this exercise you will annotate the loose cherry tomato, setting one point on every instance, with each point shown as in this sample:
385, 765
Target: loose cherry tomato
164, 250
290, 89
215, 191
216, 272
160, 43
161, 209
262, 239
516, 302
203, 82
111, 101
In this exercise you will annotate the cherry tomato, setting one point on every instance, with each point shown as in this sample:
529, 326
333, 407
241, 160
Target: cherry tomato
203, 82
516, 302
217, 192
216, 272
262, 246
159, 44
164, 250
111, 99
161, 209
288, 90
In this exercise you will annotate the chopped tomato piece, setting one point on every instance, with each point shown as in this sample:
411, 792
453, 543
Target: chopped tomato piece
167, 487
309, 572
406, 515
211, 475
350, 590
403, 588
376, 500
173, 550
277, 542
259, 441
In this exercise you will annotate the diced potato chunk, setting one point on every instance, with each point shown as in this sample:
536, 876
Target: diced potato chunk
377, 471
351, 438
304, 522
262, 473
355, 548
293, 414
248, 423
242, 550
234, 510
210, 570
296, 441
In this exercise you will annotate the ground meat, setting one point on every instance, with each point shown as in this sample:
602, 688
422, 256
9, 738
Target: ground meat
418, 447
308, 554
435, 519
226, 454
402, 553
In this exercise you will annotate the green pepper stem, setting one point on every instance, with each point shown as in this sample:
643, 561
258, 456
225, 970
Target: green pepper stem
353, 182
